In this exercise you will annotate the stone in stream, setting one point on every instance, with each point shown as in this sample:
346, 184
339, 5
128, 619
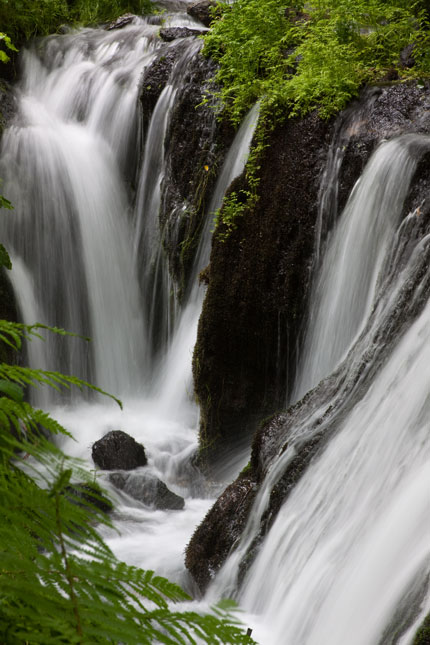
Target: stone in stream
147, 488
201, 11
172, 33
118, 451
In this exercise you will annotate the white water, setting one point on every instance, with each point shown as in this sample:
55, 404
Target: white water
353, 535
75, 245
345, 286
355, 532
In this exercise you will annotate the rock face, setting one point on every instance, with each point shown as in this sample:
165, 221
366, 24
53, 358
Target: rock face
8, 311
8, 105
220, 530
118, 451
250, 330
149, 490
237, 354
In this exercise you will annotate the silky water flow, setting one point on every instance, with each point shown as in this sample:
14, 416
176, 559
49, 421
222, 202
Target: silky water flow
347, 559
77, 250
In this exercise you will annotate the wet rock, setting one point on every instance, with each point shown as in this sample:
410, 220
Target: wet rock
299, 435
155, 78
201, 11
195, 146
148, 489
121, 22
220, 531
88, 496
172, 33
118, 451
249, 330
238, 322
8, 105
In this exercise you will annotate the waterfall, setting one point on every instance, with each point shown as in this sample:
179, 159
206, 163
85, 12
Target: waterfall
344, 288
347, 559
85, 242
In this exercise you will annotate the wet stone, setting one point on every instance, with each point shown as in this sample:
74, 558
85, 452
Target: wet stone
172, 33
121, 22
148, 489
201, 11
118, 451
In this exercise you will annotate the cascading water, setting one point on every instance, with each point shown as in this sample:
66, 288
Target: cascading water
84, 261
349, 549
344, 289
347, 559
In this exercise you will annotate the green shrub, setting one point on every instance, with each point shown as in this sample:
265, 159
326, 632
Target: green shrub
297, 57
23, 19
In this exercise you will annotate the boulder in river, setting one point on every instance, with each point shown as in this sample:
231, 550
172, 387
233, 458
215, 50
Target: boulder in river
147, 488
118, 451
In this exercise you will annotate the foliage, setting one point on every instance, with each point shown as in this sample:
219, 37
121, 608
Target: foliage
296, 57
7, 43
59, 582
23, 19
422, 637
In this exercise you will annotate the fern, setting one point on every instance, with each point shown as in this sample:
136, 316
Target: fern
59, 582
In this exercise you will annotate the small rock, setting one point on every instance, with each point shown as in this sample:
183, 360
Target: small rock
201, 11
121, 22
148, 489
172, 33
118, 451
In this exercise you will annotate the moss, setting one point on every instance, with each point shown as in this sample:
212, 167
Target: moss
422, 637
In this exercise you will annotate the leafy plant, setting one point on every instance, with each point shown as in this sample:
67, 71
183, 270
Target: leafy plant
8, 44
23, 19
296, 57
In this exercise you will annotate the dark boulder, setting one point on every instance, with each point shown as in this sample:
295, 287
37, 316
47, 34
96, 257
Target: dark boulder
118, 451
173, 33
201, 11
148, 489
